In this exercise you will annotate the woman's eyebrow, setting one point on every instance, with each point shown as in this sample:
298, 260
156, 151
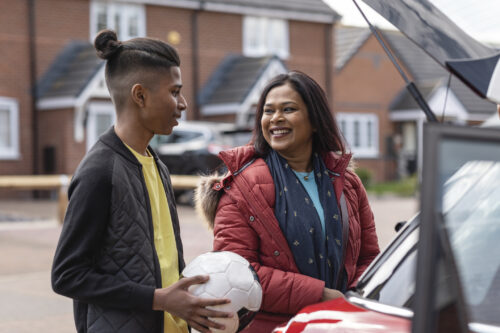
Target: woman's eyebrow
284, 103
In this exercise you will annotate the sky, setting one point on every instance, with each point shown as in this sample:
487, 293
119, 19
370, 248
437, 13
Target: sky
479, 18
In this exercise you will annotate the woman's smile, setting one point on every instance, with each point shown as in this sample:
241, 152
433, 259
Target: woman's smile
278, 132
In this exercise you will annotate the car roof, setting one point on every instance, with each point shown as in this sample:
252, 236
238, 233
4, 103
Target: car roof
204, 125
493, 121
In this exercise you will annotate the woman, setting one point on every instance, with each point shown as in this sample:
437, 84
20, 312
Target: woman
290, 205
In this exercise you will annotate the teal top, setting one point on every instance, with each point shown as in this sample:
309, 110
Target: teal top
309, 182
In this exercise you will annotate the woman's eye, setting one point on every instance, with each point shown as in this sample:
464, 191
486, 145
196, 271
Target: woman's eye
289, 109
268, 111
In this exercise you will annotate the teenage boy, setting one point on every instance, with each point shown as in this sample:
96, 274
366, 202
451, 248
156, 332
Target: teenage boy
119, 254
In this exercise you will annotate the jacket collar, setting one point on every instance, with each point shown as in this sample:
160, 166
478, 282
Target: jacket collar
337, 163
112, 140
238, 157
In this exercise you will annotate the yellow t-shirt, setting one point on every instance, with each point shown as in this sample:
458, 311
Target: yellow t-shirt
163, 233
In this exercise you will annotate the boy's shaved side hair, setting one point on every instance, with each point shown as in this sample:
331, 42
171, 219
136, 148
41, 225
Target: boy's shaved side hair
135, 61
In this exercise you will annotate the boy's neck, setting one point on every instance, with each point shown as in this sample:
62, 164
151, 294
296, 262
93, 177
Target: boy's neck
136, 138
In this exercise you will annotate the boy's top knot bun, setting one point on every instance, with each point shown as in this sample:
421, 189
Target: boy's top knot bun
107, 44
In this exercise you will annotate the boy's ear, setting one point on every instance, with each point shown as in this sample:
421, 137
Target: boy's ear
138, 93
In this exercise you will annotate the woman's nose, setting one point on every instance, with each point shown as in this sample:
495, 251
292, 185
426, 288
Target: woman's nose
277, 116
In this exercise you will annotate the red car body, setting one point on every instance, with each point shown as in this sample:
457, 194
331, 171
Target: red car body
340, 315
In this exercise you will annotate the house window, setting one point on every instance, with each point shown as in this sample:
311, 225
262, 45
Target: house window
128, 20
100, 117
356, 138
361, 132
9, 129
265, 36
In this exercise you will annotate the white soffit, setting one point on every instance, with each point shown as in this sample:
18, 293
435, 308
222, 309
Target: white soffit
95, 88
239, 9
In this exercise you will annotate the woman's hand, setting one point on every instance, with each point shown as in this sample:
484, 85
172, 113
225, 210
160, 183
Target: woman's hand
177, 301
329, 294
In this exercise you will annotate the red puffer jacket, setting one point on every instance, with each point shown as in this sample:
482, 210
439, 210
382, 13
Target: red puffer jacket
240, 207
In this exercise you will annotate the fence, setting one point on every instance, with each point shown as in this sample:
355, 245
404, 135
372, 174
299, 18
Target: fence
60, 184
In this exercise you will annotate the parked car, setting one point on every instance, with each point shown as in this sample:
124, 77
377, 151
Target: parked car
193, 146
460, 220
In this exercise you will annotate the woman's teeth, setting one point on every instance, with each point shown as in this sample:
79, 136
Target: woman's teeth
280, 131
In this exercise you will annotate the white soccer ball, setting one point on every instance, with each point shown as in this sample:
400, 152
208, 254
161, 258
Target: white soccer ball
232, 277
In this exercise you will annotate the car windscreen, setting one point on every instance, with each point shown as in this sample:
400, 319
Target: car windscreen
392, 280
179, 136
235, 138
471, 209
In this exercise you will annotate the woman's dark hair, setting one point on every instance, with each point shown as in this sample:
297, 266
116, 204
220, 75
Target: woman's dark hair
136, 54
327, 136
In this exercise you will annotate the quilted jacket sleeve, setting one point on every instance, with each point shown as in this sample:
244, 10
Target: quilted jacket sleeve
73, 271
284, 291
369, 242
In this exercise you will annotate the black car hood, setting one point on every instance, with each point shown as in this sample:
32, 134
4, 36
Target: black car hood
476, 64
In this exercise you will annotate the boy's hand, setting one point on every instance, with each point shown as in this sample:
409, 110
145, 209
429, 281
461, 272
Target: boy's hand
177, 301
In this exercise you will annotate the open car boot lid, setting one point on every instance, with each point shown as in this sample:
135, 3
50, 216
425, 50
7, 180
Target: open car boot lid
476, 64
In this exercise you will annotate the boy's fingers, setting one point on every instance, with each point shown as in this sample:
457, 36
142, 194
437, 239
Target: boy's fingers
204, 302
198, 327
207, 323
189, 281
215, 313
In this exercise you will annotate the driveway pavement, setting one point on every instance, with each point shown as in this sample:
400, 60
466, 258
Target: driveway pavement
28, 236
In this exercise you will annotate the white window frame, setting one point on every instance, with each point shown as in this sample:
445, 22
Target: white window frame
265, 31
125, 11
94, 109
12, 152
363, 148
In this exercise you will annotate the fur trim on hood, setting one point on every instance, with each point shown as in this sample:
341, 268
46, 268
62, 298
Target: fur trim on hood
206, 199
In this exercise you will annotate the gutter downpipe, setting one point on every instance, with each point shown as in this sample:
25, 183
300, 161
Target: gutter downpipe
328, 61
32, 71
195, 62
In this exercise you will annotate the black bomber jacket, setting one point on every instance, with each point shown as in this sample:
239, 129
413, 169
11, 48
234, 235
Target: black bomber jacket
106, 259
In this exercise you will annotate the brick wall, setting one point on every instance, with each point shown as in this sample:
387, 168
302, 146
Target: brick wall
367, 84
307, 50
57, 131
161, 21
15, 79
56, 23
215, 41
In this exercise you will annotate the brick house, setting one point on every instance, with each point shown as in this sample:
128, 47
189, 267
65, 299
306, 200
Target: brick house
47, 44
380, 120
365, 83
